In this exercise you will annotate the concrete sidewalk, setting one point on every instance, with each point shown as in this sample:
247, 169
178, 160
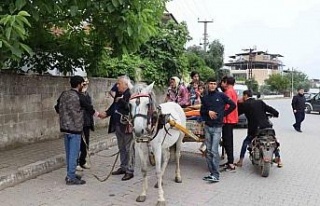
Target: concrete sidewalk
29, 161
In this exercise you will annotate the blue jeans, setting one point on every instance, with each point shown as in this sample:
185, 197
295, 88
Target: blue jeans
247, 141
213, 135
244, 146
72, 147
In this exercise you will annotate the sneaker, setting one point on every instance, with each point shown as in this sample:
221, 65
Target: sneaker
75, 181
86, 166
79, 168
212, 179
223, 165
77, 176
206, 177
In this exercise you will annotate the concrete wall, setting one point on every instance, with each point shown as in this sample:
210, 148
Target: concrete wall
26, 106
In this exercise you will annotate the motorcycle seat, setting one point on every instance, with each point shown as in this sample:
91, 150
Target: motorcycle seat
267, 132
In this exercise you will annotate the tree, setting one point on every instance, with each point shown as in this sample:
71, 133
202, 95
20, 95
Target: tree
278, 82
67, 34
214, 56
198, 50
166, 50
252, 84
300, 80
196, 63
212, 59
13, 32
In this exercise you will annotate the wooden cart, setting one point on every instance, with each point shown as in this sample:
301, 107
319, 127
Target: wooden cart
194, 130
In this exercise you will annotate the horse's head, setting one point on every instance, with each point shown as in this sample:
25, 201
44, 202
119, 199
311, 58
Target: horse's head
141, 108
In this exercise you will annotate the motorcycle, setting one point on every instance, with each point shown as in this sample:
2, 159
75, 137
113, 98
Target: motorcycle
262, 149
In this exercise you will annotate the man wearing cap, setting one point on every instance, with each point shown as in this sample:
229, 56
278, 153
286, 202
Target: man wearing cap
70, 107
298, 107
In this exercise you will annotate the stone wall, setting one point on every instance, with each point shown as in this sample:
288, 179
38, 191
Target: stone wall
26, 106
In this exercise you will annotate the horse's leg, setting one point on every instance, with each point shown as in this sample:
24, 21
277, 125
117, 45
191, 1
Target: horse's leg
158, 155
165, 157
178, 178
173, 150
143, 159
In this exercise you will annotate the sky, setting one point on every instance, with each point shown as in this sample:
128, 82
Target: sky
287, 27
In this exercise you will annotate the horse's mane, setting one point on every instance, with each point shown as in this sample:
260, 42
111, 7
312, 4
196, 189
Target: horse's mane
137, 89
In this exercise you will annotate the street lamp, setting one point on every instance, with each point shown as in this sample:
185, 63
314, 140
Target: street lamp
291, 72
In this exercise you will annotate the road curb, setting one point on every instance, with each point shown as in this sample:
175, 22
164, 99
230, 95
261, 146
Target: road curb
38, 168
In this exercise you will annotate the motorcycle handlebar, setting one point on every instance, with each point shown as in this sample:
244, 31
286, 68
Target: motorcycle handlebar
270, 115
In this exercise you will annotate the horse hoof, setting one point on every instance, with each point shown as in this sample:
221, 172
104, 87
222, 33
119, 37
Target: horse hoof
157, 186
161, 203
141, 198
178, 180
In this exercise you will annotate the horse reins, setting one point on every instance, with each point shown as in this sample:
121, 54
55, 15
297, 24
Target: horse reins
153, 117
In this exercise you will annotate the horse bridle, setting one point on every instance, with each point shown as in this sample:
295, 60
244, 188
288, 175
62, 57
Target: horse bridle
152, 118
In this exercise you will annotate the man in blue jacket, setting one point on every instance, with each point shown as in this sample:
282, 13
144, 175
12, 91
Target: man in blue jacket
212, 112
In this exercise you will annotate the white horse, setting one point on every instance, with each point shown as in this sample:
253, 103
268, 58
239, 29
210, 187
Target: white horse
147, 126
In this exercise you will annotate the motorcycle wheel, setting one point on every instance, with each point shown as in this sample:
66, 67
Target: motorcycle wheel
265, 169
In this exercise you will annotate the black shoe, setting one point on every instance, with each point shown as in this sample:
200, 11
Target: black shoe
297, 129
75, 181
77, 176
127, 176
118, 172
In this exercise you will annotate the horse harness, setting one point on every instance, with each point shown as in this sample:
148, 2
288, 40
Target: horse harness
156, 120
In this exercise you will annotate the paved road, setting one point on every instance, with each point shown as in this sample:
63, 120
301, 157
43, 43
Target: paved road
297, 183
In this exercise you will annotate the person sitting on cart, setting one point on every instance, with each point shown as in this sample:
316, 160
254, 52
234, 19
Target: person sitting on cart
177, 92
193, 112
256, 113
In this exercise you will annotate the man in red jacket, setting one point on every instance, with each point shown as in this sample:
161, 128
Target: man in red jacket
229, 121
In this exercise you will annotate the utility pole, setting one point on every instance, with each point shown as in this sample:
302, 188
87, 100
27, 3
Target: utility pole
251, 57
205, 34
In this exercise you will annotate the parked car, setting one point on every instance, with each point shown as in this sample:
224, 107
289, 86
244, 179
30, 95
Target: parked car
313, 104
309, 95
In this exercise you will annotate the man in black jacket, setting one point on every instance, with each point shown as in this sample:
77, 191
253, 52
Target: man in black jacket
298, 107
124, 136
70, 107
212, 112
87, 126
256, 114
